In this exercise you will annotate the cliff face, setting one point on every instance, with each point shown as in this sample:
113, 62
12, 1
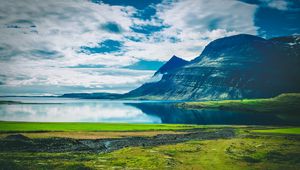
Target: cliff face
240, 66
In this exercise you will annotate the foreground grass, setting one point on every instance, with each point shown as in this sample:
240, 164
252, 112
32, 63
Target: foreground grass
69, 127
292, 131
244, 152
238, 153
284, 103
253, 148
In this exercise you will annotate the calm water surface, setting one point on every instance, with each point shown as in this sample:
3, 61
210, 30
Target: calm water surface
83, 110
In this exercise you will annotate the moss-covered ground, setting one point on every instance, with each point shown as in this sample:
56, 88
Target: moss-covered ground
284, 104
252, 148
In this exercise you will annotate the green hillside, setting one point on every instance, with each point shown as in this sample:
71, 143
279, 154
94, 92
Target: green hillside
284, 103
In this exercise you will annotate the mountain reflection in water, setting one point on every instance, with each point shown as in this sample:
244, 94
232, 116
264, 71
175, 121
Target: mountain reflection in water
169, 113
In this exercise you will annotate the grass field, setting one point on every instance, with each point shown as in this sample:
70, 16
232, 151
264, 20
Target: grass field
238, 153
91, 127
292, 131
246, 151
285, 103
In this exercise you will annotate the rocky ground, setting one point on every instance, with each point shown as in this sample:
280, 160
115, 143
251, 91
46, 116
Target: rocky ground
21, 143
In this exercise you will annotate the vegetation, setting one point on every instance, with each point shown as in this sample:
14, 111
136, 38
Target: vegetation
10, 102
284, 103
4, 102
75, 127
253, 147
237, 153
246, 151
292, 131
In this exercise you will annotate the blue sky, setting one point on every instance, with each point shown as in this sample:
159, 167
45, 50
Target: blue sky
62, 46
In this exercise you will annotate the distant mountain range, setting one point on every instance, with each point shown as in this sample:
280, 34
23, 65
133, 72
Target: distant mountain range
93, 95
235, 67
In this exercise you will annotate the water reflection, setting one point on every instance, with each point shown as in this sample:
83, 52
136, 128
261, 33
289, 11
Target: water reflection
171, 114
77, 110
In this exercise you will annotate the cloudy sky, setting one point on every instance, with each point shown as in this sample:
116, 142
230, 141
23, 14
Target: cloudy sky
61, 46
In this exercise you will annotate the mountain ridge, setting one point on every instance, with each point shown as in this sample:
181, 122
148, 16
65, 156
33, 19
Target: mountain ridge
235, 67
173, 63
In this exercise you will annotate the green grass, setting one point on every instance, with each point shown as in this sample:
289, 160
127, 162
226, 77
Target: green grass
240, 153
284, 103
36, 126
292, 131
271, 152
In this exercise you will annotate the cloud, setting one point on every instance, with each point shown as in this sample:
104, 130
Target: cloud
62, 43
189, 25
147, 29
112, 27
106, 46
87, 66
145, 65
140, 4
276, 4
280, 5
84, 78
201, 16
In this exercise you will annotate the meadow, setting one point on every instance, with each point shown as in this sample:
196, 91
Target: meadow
285, 104
250, 147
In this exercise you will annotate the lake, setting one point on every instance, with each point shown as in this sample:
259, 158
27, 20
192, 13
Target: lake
84, 110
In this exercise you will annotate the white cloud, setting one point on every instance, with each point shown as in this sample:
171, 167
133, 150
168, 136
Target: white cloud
40, 40
103, 79
277, 4
197, 22
194, 23
63, 27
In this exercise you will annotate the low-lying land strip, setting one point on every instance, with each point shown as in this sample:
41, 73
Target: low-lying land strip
10, 102
291, 131
92, 127
285, 103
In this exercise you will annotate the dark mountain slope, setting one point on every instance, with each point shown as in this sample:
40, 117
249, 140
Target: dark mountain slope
240, 66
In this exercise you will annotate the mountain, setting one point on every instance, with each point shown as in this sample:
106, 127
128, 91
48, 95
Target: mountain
174, 63
92, 95
235, 67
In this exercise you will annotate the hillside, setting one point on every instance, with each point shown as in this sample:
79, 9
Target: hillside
284, 104
235, 67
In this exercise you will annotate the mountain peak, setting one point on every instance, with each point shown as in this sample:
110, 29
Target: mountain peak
174, 57
174, 63
237, 42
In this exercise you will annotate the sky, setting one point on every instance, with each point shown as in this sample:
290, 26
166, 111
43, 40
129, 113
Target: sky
63, 46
